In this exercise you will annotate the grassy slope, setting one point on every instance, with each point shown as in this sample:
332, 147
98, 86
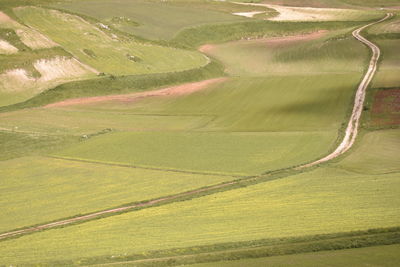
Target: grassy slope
289, 108
68, 188
329, 53
326, 200
384, 256
153, 19
387, 36
236, 153
107, 55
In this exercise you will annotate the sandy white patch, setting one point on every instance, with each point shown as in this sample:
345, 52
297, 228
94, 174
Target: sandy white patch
60, 68
7, 48
30, 37
248, 14
15, 80
53, 72
288, 13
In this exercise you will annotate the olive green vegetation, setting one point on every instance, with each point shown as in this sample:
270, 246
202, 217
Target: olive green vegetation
236, 153
387, 36
81, 122
385, 256
14, 144
377, 154
155, 19
67, 188
334, 51
329, 199
111, 55
218, 33
116, 85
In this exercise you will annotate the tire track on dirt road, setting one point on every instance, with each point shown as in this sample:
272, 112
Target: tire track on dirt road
345, 145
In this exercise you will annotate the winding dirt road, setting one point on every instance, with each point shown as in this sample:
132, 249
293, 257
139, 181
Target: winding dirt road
346, 144
352, 126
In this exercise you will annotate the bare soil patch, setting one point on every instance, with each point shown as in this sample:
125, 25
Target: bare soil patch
386, 108
178, 90
7, 48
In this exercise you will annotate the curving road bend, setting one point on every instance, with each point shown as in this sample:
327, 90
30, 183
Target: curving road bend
346, 144
352, 126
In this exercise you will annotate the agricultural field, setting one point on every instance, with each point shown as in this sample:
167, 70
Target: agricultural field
378, 256
199, 133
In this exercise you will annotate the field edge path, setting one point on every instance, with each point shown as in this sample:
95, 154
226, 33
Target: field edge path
352, 126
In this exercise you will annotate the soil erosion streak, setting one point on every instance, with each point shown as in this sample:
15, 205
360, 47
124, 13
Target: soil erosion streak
348, 141
352, 126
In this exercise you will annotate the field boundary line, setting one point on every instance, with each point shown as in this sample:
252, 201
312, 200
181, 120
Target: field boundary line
147, 167
344, 146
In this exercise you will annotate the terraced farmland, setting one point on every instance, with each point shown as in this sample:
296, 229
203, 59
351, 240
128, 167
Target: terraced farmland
190, 132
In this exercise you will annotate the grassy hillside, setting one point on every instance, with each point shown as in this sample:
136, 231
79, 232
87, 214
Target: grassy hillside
326, 200
155, 19
235, 153
385, 256
103, 51
285, 102
73, 187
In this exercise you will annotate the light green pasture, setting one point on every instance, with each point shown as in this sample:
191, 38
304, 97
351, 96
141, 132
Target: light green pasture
155, 19
104, 52
237, 153
383, 256
328, 53
38, 189
326, 200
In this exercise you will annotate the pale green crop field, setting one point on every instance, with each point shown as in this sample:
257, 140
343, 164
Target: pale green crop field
378, 153
155, 19
67, 188
384, 256
326, 200
276, 103
236, 153
85, 121
106, 54
389, 71
327, 52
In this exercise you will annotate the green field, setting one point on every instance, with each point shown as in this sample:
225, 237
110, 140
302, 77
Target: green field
326, 52
236, 153
155, 20
387, 36
285, 100
327, 200
73, 187
104, 52
385, 256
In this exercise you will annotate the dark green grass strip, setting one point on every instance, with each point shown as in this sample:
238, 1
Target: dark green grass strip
247, 249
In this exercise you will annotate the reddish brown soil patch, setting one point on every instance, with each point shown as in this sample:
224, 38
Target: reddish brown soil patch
295, 38
206, 48
178, 90
386, 108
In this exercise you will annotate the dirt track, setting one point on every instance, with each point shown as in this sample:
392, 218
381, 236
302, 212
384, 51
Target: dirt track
352, 126
346, 144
